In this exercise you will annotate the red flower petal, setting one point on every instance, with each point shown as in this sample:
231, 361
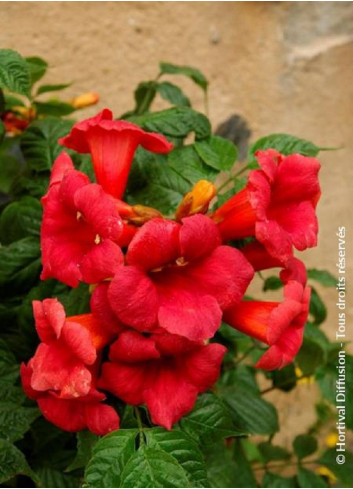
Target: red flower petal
101, 309
101, 418
132, 347
61, 166
154, 245
199, 236
26, 376
64, 413
49, 317
125, 381
101, 262
133, 298
79, 340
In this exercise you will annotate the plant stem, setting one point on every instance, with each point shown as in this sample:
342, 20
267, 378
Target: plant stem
245, 354
225, 183
286, 464
140, 426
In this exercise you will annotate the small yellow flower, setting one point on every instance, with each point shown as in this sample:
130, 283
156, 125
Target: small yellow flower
305, 380
327, 473
331, 440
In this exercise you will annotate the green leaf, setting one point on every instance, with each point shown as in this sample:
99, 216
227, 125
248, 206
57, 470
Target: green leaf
284, 379
10, 168
144, 96
52, 88
272, 283
51, 477
308, 478
285, 144
151, 467
37, 68
20, 219
54, 108
209, 418
250, 412
184, 451
9, 370
39, 142
275, 480
242, 376
15, 420
173, 94
217, 152
14, 72
85, 444
2, 131
20, 265
186, 162
176, 122
324, 277
317, 307
343, 472
310, 356
12, 101
13, 462
156, 184
272, 452
77, 300
304, 445
192, 73
110, 456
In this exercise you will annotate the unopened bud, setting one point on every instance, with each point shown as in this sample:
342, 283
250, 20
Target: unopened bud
197, 200
143, 214
85, 100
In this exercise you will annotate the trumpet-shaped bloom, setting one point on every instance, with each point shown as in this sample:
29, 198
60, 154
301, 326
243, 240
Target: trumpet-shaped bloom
80, 228
179, 277
112, 144
278, 324
277, 205
61, 375
163, 371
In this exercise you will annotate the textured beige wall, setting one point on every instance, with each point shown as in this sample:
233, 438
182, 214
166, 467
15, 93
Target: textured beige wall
284, 66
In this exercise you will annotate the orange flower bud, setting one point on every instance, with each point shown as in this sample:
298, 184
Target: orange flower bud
85, 100
143, 214
197, 200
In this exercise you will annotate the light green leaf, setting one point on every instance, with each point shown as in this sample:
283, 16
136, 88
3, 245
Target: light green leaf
40, 145
54, 108
192, 73
285, 144
210, 418
176, 122
152, 467
14, 72
217, 152
37, 68
324, 277
52, 88
250, 412
184, 451
173, 94
110, 456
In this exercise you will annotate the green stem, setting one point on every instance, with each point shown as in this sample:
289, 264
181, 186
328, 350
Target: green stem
245, 354
286, 464
140, 425
225, 183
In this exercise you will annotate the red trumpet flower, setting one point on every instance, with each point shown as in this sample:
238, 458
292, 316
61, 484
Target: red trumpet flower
277, 206
163, 371
80, 228
61, 375
179, 278
278, 324
112, 144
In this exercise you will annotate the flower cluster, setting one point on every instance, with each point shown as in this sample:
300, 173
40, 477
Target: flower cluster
161, 287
